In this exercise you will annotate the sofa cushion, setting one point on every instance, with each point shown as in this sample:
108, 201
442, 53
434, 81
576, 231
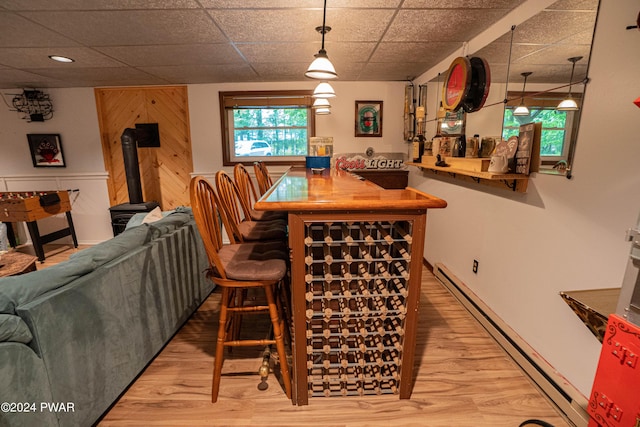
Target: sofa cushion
17, 290
113, 248
139, 218
168, 224
13, 328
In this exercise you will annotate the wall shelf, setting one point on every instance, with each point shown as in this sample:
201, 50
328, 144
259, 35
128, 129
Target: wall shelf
513, 181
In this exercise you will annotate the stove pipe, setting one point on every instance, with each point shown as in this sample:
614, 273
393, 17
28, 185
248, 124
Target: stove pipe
131, 167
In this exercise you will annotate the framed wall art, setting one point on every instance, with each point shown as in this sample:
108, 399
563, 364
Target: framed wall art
46, 150
369, 118
453, 123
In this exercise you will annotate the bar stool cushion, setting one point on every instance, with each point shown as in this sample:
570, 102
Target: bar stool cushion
254, 261
263, 230
267, 215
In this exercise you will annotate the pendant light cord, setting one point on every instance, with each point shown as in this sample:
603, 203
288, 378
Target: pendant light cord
324, 21
573, 67
506, 86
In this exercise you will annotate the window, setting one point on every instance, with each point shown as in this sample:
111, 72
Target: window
558, 127
273, 126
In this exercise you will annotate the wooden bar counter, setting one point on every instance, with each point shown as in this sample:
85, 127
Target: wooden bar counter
356, 269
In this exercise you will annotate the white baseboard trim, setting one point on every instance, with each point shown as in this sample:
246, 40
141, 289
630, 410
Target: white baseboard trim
555, 387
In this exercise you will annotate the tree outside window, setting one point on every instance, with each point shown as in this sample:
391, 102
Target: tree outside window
272, 126
558, 127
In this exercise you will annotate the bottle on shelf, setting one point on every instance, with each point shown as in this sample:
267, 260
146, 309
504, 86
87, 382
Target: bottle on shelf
418, 147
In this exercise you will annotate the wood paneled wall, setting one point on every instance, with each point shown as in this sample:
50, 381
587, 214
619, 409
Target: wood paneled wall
165, 171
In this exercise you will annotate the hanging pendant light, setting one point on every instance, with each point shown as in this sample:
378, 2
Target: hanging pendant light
522, 109
569, 104
324, 90
321, 103
321, 68
323, 111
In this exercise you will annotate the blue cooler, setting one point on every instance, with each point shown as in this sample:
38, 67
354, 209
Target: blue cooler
319, 162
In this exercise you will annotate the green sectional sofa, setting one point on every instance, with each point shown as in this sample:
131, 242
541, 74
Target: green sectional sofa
75, 335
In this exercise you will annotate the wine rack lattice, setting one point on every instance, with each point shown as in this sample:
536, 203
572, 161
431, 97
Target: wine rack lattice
356, 276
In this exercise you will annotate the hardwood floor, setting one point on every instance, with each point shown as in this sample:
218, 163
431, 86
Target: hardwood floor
463, 379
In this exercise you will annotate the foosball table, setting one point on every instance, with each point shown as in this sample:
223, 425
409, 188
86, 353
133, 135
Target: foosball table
31, 206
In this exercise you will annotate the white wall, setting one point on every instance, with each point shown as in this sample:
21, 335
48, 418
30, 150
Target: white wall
75, 119
206, 133
562, 234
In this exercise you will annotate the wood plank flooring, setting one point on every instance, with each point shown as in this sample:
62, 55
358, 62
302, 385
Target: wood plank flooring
463, 378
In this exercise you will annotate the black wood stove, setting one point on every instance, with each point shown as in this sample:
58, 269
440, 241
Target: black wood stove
121, 214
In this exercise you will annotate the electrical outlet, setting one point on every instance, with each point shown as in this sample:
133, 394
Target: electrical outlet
475, 266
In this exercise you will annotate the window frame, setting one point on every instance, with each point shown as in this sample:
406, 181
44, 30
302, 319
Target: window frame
548, 101
264, 99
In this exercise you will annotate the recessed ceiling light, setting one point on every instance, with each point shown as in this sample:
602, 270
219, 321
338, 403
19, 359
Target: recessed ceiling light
61, 58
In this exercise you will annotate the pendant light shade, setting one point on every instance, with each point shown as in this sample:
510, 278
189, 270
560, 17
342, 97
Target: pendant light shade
522, 109
321, 103
321, 68
569, 104
324, 90
323, 111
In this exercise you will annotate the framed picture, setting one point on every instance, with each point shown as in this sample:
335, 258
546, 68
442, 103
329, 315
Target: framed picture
369, 118
46, 150
453, 123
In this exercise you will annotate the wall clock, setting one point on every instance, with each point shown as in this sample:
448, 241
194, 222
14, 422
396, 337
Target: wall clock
457, 83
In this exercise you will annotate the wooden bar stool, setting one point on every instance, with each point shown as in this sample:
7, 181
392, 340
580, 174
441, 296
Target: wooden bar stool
240, 227
237, 268
262, 176
249, 196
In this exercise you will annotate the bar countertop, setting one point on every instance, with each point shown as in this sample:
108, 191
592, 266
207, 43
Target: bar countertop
300, 189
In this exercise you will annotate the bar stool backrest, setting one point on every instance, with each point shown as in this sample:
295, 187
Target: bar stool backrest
233, 212
248, 193
262, 176
204, 203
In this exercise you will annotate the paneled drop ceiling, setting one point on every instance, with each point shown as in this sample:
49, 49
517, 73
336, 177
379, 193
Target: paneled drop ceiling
156, 42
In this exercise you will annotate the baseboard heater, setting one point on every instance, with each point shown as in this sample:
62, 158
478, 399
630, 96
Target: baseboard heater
557, 389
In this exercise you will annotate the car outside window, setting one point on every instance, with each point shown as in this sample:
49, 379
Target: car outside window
272, 126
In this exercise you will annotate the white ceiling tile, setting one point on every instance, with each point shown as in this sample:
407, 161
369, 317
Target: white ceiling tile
390, 71
424, 52
299, 4
553, 26
144, 56
289, 25
283, 71
97, 4
210, 73
16, 31
24, 79
278, 52
198, 41
440, 25
33, 57
462, 4
122, 28
103, 74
